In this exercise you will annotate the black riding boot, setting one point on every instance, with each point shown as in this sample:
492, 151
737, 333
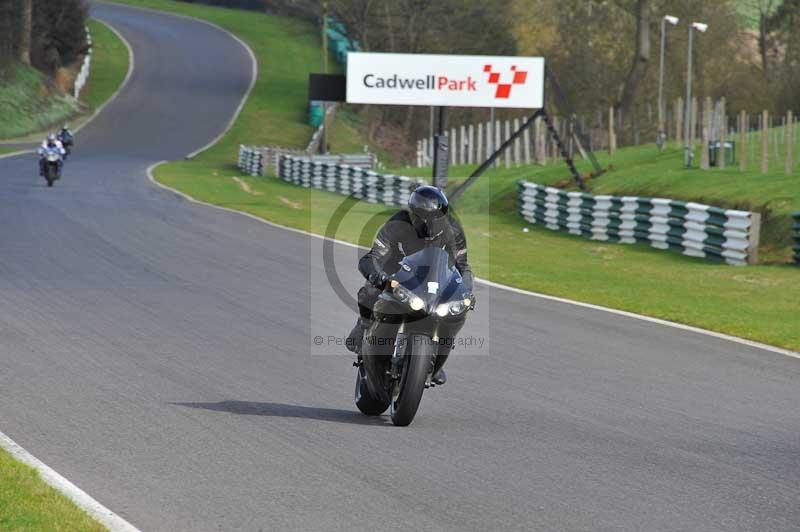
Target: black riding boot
439, 377
356, 337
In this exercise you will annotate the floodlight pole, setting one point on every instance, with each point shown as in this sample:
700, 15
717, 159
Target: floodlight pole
688, 118
660, 135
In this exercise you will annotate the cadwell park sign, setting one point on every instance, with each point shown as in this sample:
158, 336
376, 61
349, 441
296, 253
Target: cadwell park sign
445, 80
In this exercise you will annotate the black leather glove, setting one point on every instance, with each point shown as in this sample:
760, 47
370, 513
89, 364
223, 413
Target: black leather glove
378, 279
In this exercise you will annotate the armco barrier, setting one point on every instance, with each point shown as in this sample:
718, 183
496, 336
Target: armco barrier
255, 160
689, 228
83, 74
796, 238
346, 179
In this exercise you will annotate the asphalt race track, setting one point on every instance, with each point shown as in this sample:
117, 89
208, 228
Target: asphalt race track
156, 353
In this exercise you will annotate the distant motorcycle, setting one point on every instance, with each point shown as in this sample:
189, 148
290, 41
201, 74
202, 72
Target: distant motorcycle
426, 303
53, 163
67, 140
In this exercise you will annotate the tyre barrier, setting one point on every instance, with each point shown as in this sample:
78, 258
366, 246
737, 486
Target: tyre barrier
256, 160
251, 161
347, 179
690, 228
796, 236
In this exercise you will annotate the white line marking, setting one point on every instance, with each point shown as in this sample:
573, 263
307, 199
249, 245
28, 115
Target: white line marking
253, 71
658, 321
131, 63
81, 499
15, 153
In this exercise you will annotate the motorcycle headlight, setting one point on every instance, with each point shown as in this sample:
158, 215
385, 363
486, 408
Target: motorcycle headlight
454, 308
405, 296
52, 157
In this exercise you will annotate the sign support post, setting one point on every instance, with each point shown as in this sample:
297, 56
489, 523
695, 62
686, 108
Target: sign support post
441, 155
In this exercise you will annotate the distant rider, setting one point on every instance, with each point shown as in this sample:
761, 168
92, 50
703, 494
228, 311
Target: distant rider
50, 142
67, 138
428, 222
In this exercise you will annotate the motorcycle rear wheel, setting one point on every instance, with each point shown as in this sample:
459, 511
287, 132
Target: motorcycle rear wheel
417, 365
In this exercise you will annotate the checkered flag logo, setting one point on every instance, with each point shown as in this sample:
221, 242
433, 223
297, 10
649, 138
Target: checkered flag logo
519, 77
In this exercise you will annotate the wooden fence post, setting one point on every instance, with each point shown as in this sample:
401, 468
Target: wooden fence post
461, 146
723, 134
526, 142
742, 137
755, 238
488, 144
471, 145
453, 146
479, 143
764, 142
516, 144
612, 137
789, 137
705, 133
538, 142
507, 154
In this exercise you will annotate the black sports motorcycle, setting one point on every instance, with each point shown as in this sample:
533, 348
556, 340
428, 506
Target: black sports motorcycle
424, 307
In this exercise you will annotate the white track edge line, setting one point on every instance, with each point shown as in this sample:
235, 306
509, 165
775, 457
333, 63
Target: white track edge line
658, 321
253, 71
126, 79
81, 499
15, 153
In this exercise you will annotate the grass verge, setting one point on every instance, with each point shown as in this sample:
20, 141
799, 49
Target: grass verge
27, 503
110, 64
28, 110
26, 105
756, 302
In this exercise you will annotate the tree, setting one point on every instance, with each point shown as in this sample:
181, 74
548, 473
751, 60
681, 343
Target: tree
641, 57
26, 27
765, 10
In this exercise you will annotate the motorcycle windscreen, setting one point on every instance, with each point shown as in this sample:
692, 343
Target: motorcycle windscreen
429, 275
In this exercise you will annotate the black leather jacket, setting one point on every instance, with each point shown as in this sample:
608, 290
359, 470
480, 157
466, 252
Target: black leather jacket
398, 238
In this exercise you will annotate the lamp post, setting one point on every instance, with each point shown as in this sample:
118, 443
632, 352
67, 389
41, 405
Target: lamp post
699, 26
660, 136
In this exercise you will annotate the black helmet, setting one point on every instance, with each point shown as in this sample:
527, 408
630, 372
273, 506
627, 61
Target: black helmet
428, 208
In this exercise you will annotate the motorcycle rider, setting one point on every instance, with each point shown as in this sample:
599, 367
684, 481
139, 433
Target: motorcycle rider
428, 222
66, 137
50, 142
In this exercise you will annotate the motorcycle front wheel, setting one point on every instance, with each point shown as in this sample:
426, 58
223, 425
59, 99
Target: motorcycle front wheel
418, 363
366, 403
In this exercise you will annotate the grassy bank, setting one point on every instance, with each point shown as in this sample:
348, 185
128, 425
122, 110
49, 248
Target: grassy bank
27, 503
755, 302
25, 106
644, 171
28, 108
